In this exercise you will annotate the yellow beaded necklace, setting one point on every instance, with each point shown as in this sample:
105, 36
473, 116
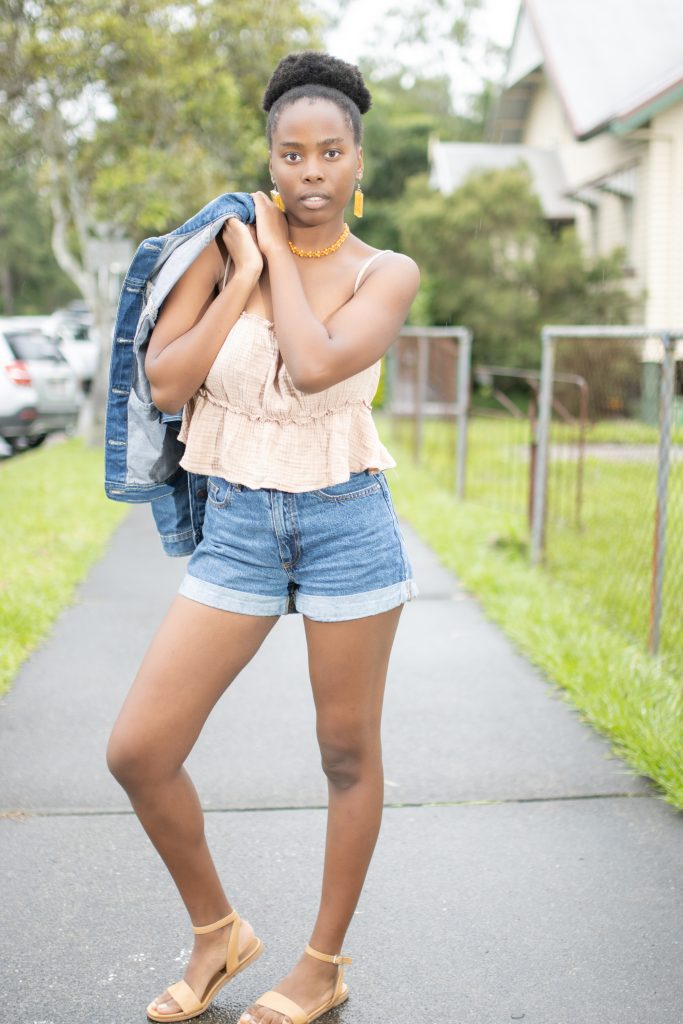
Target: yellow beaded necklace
315, 254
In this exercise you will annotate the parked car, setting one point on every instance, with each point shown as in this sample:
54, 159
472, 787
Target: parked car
39, 391
76, 337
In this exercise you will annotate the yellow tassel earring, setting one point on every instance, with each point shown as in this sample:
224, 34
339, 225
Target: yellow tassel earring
358, 201
277, 198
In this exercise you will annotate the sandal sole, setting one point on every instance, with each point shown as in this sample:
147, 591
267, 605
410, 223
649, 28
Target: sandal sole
159, 1018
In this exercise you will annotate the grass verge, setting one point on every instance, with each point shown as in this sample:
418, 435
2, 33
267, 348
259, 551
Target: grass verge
56, 521
631, 698
608, 555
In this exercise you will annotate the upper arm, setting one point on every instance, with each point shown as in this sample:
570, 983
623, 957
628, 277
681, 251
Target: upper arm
367, 325
186, 303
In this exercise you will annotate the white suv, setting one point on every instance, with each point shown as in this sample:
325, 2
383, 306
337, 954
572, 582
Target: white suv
39, 391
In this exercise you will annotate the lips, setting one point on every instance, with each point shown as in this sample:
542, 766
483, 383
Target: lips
314, 200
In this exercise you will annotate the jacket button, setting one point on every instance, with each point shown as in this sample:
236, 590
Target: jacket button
202, 495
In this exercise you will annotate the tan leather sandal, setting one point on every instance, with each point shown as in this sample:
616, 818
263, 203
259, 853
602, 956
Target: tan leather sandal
188, 1000
281, 1004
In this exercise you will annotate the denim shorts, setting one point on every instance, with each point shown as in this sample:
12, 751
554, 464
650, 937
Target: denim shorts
331, 554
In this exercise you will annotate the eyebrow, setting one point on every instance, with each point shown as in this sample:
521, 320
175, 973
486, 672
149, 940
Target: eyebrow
322, 142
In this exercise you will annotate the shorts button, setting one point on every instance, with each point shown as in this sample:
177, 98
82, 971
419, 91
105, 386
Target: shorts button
202, 495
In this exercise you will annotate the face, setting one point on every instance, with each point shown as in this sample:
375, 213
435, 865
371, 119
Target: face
314, 160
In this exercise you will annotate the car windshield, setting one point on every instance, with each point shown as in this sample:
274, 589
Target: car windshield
32, 344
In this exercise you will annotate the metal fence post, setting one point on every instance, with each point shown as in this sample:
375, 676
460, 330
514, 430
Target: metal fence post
463, 406
541, 474
420, 394
663, 462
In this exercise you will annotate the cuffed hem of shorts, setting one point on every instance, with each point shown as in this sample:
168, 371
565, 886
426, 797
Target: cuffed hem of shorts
355, 606
231, 600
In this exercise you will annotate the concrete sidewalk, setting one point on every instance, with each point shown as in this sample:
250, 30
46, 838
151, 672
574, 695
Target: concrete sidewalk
522, 873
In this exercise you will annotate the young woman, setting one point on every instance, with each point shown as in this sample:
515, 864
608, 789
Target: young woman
276, 371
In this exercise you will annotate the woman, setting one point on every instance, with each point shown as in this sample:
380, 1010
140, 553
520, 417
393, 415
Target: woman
276, 374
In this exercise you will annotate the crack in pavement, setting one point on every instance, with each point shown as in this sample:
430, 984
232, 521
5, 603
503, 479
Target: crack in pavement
19, 814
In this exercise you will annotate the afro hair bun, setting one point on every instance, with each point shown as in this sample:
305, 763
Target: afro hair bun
314, 67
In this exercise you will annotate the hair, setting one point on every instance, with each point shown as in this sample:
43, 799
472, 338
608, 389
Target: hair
316, 75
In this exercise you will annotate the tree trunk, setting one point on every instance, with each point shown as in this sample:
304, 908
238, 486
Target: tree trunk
7, 290
94, 412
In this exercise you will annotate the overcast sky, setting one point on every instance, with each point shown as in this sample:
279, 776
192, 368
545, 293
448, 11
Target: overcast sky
360, 33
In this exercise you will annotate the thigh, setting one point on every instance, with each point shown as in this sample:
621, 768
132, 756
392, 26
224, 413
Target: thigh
192, 659
348, 663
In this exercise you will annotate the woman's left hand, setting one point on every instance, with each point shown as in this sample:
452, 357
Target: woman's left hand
272, 232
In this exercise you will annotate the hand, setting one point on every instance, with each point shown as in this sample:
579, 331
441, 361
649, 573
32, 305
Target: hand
240, 241
272, 231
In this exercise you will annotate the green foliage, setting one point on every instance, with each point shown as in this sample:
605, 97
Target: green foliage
140, 113
30, 280
405, 114
490, 261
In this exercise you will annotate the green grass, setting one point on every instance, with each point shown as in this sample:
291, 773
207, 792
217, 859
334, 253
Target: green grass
604, 556
56, 522
630, 697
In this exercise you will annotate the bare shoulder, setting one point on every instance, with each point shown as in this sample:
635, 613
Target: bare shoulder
395, 271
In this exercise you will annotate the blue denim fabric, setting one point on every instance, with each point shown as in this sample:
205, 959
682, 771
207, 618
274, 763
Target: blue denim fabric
332, 554
142, 451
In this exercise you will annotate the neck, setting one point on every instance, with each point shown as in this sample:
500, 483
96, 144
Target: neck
316, 236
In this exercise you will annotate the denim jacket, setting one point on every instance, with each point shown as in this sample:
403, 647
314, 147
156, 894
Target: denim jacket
142, 451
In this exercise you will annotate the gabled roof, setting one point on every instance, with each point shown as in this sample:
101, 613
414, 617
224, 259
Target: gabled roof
452, 162
613, 63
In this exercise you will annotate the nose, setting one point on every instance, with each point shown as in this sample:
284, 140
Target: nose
313, 171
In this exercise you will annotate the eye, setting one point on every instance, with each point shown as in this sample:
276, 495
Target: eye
287, 155
334, 152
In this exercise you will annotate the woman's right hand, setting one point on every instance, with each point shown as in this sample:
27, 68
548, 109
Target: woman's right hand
240, 241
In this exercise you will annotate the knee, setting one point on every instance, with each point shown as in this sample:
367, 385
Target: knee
128, 760
347, 763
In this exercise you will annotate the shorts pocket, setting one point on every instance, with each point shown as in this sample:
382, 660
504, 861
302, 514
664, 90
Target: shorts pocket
219, 492
359, 485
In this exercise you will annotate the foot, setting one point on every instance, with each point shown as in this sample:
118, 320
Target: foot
207, 959
310, 983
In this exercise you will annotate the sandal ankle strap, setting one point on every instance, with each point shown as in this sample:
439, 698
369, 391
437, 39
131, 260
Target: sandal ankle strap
204, 928
331, 958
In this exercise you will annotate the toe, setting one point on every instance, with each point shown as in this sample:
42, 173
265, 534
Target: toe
165, 1004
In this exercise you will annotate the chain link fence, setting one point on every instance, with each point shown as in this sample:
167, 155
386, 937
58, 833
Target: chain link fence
585, 458
625, 545
427, 372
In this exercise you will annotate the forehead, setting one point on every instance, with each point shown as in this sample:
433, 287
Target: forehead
310, 119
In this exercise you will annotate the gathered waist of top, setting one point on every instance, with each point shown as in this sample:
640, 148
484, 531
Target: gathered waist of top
259, 451
288, 415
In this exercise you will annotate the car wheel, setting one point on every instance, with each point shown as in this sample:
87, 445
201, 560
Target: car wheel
33, 442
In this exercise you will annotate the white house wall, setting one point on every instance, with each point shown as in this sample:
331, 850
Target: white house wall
663, 200
584, 163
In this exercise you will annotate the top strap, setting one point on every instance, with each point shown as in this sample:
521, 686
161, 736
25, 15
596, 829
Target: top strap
227, 268
361, 272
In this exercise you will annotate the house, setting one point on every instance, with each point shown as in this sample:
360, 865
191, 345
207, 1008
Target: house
592, 101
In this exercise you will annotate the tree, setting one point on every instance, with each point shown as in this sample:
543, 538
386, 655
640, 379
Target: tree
406, 112
491, 262
136, 113
30, 280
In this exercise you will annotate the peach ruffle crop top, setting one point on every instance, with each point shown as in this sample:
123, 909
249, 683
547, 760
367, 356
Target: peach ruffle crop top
248, 423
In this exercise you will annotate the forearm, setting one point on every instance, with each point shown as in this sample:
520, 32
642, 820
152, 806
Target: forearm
181, 367
302, 339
